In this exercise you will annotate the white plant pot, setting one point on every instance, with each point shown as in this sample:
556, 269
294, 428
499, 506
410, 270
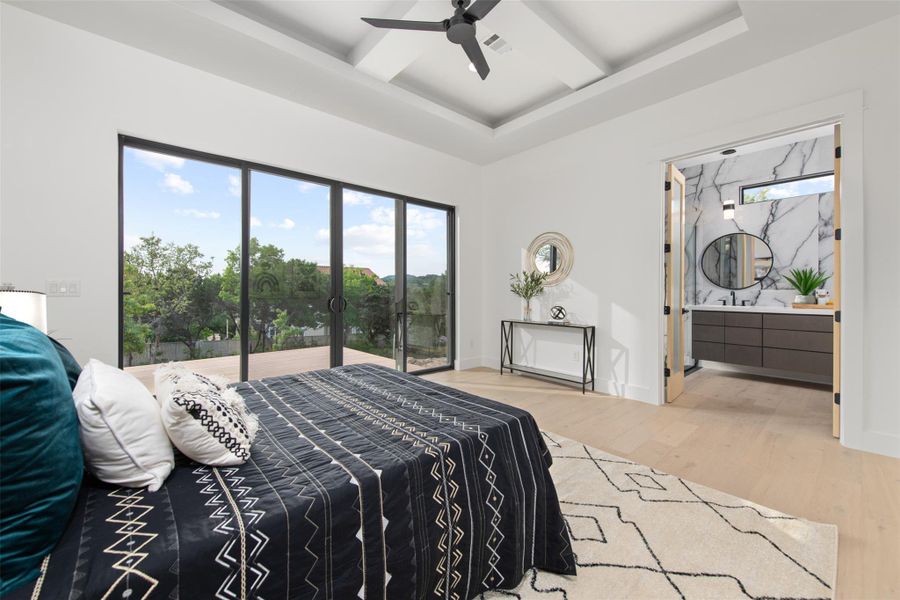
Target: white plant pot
801, 299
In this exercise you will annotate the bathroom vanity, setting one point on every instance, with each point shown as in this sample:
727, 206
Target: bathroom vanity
788, 339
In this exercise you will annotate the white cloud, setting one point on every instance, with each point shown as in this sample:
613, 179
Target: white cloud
382, 215
254, 222
285, 224
197, 214
323, 235
307, 186
370, 239
177, 184
356, 198
158, 161
234, 185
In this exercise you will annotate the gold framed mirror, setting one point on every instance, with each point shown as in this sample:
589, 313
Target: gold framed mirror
551, 253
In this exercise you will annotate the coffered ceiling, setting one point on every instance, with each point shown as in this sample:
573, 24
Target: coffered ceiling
567, 64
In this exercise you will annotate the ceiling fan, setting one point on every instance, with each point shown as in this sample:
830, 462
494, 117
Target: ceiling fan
460, 28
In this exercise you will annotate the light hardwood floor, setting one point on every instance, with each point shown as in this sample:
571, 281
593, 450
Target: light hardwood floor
765, 440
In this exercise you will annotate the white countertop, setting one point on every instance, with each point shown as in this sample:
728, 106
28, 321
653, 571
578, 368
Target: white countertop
762, 309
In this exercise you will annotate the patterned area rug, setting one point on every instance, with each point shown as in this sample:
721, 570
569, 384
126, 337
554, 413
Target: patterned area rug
639, 533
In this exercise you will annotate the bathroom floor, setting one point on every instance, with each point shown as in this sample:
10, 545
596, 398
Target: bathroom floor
766, 440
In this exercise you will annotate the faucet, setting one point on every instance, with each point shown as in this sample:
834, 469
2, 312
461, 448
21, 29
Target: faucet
733, 300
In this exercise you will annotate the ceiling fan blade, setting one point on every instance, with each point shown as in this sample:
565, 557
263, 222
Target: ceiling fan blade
412, 25
473, 51
481, 8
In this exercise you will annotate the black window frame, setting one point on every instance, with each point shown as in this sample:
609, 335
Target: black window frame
774, 182
337, 188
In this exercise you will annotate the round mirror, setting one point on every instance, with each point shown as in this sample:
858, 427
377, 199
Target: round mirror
736, 261
551, 253
546, 259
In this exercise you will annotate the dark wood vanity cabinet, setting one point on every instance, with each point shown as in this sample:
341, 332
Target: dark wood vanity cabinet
800, 343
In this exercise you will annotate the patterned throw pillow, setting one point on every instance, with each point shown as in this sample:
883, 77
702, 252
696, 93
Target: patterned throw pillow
205, 419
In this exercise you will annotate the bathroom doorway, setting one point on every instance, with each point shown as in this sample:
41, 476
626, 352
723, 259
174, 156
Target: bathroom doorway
748, 230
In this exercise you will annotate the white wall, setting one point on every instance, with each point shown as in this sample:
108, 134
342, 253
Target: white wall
67, 94
602, 188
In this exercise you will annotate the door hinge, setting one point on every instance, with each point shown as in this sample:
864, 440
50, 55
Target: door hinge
668, 186
837, 151
837, 398
667, 248
667, 310
837, 316
837, 234
667, 372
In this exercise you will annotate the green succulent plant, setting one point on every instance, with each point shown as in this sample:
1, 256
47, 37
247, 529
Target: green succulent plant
527, 284
806, 281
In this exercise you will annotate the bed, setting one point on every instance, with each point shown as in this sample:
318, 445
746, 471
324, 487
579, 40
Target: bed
363, 482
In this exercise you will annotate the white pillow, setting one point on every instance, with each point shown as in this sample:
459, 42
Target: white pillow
206, 420
122, 433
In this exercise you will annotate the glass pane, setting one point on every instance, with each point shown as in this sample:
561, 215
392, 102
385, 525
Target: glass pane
677, 275
369, 279
290, 279
182, 225
778, 190
427, 287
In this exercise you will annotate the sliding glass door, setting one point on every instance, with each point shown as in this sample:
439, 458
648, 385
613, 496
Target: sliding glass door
428, 287
290, 281
247, 271
369, 285
180, 230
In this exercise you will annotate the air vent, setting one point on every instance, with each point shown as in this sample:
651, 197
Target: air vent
497, 44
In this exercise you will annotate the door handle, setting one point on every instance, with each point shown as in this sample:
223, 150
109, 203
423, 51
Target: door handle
331, 303
343, 304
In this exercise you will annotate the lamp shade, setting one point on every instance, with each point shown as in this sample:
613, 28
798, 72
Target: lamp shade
24, 306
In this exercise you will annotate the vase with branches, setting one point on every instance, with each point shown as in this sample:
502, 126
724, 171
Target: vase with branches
526, 285
806, 282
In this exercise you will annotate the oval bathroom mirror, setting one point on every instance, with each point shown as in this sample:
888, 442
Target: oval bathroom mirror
551, 253
736, 261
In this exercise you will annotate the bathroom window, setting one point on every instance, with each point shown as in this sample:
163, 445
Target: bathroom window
806, 185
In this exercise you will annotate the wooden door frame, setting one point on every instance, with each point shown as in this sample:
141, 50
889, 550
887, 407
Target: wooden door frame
847, 109
674, 378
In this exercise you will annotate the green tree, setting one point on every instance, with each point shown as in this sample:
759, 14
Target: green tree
171, 291
368, 311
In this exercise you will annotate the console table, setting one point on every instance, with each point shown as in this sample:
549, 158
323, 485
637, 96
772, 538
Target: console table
507, 331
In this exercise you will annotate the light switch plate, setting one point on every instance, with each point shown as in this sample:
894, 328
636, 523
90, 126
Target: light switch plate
74, 288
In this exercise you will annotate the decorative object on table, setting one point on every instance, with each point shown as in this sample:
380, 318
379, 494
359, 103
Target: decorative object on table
24, 306
823, 297
526, 285
558, 315
551, 253
806, 282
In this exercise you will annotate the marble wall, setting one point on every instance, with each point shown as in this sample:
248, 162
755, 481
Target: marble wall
800, 230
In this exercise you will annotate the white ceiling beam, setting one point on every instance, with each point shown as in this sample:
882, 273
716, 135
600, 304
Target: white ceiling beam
534, 33
384, 53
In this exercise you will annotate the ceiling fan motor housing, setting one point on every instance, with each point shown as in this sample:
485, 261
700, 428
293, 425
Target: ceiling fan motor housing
460, 29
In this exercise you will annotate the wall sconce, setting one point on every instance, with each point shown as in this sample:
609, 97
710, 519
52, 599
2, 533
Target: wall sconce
728, 209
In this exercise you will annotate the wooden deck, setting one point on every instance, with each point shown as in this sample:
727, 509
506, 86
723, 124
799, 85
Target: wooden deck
268, 364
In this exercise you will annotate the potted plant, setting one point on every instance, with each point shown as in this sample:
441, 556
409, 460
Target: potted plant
526, 285
806, 282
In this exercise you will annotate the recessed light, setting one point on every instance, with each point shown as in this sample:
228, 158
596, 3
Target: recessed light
728, 151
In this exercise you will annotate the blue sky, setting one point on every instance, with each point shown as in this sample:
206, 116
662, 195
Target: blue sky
188, 201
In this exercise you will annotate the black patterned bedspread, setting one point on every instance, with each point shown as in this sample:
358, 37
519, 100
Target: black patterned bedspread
363, 483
